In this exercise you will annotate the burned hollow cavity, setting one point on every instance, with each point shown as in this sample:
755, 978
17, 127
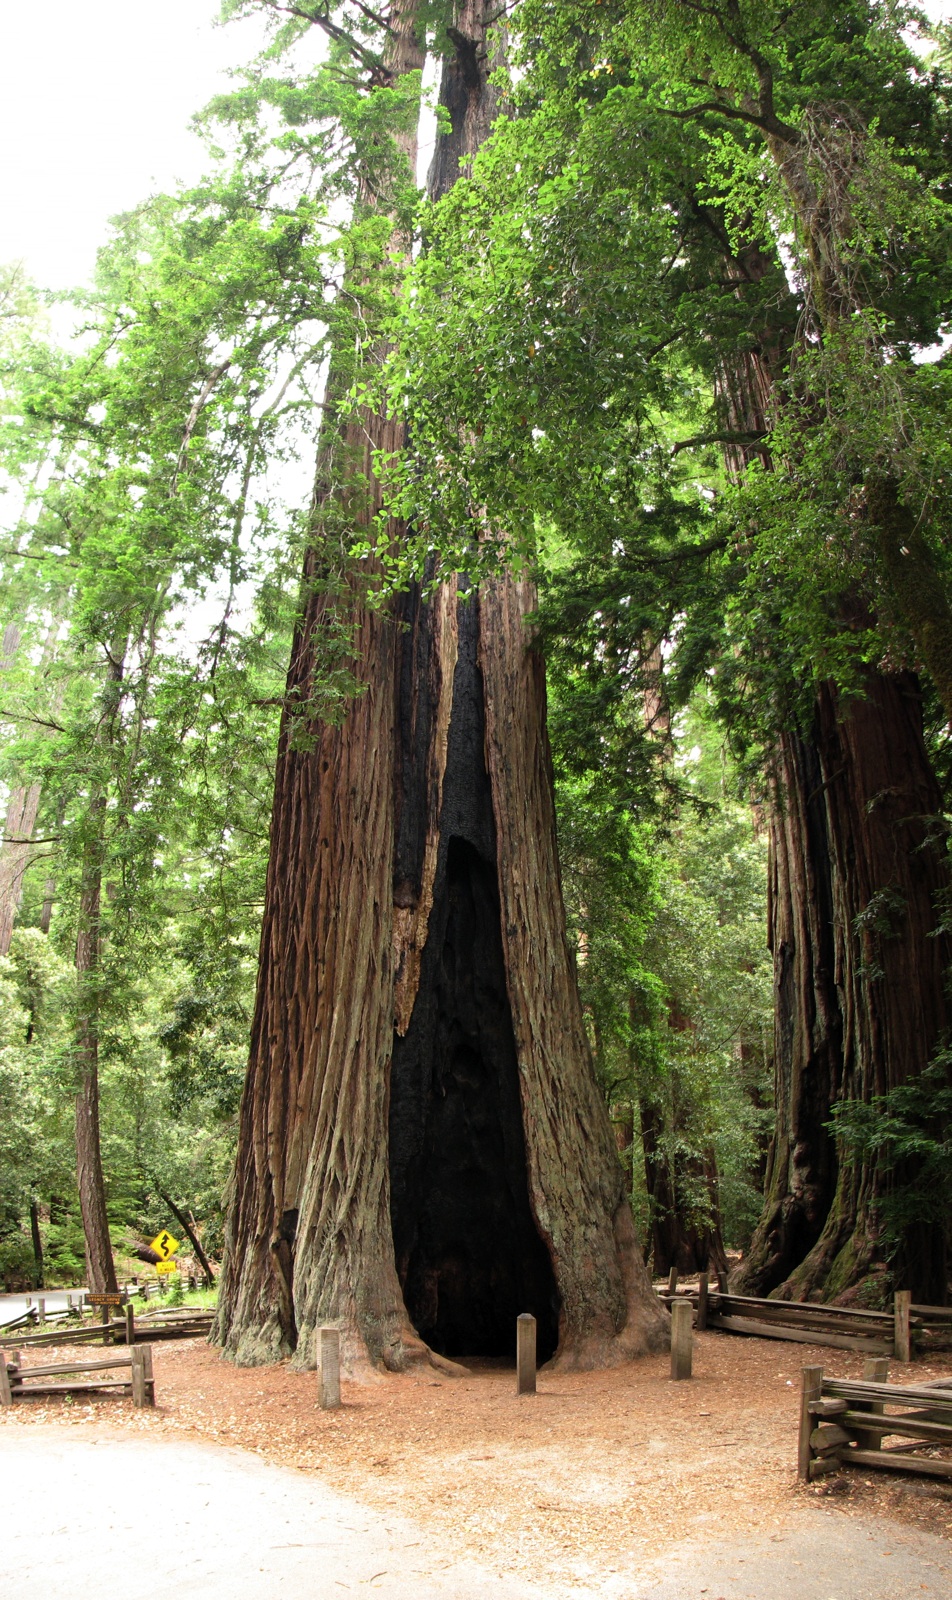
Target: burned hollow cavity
468, 1252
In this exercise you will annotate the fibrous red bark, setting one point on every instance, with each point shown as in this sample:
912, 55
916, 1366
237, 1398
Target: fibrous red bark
858, 873
423, 1148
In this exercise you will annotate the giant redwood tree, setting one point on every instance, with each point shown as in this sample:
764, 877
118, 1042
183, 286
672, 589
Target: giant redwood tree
814, 594
423, 1149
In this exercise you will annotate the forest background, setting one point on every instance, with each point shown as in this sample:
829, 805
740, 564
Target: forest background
566, 347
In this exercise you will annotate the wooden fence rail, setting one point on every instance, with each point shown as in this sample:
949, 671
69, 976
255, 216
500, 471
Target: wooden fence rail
126, 1329
844, 1424
900, 1333
18, 1382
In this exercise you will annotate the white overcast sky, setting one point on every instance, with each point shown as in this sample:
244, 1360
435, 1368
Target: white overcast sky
95, 100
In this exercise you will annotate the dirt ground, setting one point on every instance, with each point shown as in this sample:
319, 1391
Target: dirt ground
596, 1471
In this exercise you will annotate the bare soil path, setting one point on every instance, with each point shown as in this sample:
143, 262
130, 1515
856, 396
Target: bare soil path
620, 1483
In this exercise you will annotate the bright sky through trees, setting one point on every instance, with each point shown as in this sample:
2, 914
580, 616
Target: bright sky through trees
95, 102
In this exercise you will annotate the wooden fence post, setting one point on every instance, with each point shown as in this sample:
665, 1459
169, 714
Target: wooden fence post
811, 1389
702, 1283
329, 1371
673, 1281
682, 1339
147, 1371
875, 1370
902, 1343
525, 1354
130, 1323
41, 1308
6, 1398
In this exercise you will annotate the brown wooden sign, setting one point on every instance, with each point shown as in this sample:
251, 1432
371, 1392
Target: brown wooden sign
105, 1299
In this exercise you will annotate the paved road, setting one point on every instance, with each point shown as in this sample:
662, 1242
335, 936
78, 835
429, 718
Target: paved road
85, 1510
14, 1305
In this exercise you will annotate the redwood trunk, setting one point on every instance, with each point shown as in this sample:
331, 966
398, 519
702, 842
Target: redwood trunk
424, 1151
857, 879
100, 1269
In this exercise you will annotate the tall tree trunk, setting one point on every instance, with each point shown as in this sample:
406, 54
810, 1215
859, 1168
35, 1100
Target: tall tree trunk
856, 880
313, 1128
37, 1239
22, 807
100, 1268
15, 851
858, 875
418, 1030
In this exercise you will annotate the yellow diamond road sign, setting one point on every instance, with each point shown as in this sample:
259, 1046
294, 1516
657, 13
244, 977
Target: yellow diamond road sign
164, 1245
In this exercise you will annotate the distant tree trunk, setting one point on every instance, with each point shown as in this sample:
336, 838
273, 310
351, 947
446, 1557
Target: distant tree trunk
15, 851
100, 1268
22, 806
623, 1125
858, 872
193, 1238
37, 1238
418, 1033
676, 1238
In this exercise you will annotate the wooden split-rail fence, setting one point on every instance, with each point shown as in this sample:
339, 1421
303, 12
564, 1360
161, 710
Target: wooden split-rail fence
846, 1424
18, 1382
129, 1328
906, 1329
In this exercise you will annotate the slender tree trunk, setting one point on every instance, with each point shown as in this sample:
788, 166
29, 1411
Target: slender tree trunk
15, 852
424, 1150
100, 1269
37, 1243
858, 875
22, 807
193, 1238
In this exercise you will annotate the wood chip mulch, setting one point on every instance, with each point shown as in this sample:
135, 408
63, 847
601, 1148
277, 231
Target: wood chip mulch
594, 1473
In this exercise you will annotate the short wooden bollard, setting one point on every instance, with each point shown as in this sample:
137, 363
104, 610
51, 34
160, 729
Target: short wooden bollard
682, 1338
702, 1287
143, 1383
525, 1354
130, 1322
902, 1343
328, 1350
673, 1281
41, 1309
